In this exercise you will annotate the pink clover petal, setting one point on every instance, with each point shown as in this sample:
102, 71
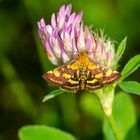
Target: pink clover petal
71, 19
57, 49
67, 42
61, 17
99, 48
65, 57
42, 23
50, 54
90, 43
109, 59
78, 18
48, 30
53, 21
74, 48
81, 41
68, 10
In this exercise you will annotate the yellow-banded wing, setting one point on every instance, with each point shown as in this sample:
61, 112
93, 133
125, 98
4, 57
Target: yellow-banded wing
99, 77
64, 76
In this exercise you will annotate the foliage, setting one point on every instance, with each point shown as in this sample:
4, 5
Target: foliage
39, 132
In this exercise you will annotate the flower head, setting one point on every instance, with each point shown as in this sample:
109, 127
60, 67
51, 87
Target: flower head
67, 36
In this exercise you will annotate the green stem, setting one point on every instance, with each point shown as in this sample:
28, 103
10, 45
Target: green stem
106, 97
114, 127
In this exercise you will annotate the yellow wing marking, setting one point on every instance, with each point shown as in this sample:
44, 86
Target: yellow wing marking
75, 65
92, 82
99, 75
73, 82
115, 72
91, 66
68, 66
108, 73
66, 75
56, 73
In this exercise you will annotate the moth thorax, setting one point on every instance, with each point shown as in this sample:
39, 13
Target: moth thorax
83, 71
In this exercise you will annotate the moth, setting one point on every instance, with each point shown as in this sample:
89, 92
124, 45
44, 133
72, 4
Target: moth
81, 74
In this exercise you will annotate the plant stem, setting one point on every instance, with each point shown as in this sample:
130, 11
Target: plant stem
113, 126
106, 98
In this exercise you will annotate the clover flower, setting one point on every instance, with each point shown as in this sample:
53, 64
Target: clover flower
63, 35
66, 36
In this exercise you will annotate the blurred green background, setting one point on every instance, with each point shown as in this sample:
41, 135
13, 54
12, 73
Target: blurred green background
23, 61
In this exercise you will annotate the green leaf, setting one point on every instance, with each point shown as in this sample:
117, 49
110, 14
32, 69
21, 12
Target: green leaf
130, 87
124, 114
53, 94
40, 132
121, 49
131, 66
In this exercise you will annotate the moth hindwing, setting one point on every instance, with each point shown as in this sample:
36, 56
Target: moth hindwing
81, 74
